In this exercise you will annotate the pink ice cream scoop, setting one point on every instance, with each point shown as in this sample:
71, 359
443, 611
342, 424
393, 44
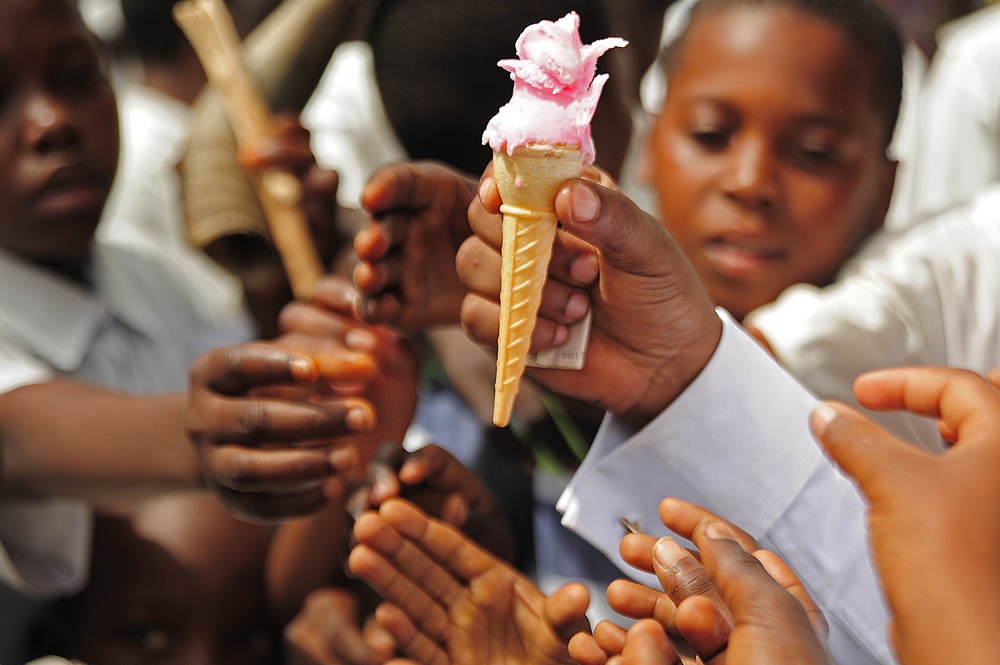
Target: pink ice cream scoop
555, 90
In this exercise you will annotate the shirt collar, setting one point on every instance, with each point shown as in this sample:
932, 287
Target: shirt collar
57, 318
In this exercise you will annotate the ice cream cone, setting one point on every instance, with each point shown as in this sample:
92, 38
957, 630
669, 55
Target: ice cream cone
528, 182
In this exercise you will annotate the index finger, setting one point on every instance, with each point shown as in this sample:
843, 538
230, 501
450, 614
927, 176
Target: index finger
959, 398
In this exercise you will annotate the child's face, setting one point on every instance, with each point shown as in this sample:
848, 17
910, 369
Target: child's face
768, 157
58, 132
179, 582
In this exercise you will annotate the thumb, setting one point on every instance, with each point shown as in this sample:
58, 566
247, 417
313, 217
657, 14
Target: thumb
865, 451
628, 238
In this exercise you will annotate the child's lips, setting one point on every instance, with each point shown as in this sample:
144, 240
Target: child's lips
741, 258
71, 189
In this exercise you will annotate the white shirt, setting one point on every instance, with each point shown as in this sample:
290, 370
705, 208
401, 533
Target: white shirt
927, 298
737, 442
958, 146
144, 208
137, 330
350, 130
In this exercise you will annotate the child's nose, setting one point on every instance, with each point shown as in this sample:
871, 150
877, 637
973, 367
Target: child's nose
752, 176
49, 123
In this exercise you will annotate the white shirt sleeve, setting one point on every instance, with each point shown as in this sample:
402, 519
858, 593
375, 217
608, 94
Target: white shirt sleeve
737, 442
44, 546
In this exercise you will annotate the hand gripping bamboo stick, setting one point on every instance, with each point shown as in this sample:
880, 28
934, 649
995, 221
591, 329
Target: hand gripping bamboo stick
209, 27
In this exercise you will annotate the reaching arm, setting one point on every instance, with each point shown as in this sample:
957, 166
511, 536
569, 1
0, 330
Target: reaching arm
68, 438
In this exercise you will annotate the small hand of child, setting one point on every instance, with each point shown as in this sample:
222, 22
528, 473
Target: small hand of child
392, 389
730, 601
435, 481
654, 327
277, 425
934, 519
288, 149
447, 600
407, 251
263, 454
329, 629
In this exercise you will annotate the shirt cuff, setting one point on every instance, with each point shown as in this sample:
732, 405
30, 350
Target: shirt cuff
736, 442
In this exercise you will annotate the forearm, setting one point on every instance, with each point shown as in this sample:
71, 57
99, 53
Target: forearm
72, 439
306, 554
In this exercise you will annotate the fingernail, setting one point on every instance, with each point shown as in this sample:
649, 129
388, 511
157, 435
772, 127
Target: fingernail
585, 269
341, 459
333, 489
576, 306
584, 203
822, 416
485, 185
359, 339
719, 531
358, 419
667, 552
303, 369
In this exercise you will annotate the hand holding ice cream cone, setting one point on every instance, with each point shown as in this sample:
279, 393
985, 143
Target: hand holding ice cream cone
540, 139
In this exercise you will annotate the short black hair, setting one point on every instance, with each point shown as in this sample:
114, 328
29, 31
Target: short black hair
864, 22
436, 66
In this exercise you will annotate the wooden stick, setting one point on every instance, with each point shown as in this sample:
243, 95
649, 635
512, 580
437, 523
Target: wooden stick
209, 27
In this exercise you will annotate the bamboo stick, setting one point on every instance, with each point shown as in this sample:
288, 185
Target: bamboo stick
209, 27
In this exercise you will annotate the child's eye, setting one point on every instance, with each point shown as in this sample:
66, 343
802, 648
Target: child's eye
814, 156
150, 638
81, 78
711, 138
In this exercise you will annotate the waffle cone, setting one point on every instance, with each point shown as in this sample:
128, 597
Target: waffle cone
528, 182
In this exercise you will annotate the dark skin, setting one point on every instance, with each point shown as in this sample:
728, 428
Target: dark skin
174, 580
335, 621
59, 138
418, 222
654, 327
58, 133
769, 170
319, 386
450, 601
691, 604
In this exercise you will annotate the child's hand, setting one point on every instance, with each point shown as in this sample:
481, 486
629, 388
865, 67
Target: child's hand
441, 486
447, 600
654, 327
392, 389
261, 444
732, 602
934, 519
330, 629
288, 149
407, 251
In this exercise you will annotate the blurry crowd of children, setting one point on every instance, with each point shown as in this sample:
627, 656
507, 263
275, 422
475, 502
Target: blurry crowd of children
797, 201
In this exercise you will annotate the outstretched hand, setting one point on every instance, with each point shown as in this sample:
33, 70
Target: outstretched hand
934, 519
280, 426
448, 601
695, 603
441, 486
419, 218
654, 327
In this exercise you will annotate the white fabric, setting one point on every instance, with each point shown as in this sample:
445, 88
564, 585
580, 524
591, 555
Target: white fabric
144, 207
904, 140
137, 330
737, 442
958, 149
351, 132
928, 298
